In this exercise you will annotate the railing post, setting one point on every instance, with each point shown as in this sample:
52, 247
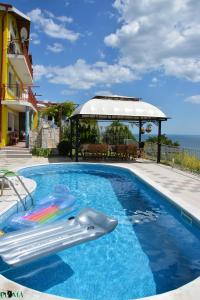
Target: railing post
140, 131
159, 142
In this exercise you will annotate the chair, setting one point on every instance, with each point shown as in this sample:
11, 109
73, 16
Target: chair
120, 151
141, 150
131, 151
14, 138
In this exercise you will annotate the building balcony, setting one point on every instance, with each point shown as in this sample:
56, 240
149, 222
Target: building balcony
21, 60
22, 97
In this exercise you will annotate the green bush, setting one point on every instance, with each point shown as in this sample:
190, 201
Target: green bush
63, 147
41, 152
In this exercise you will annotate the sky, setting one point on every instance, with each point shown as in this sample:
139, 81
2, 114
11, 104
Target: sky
144, 48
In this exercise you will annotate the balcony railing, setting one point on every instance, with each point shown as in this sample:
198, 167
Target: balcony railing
19, 93
17, 48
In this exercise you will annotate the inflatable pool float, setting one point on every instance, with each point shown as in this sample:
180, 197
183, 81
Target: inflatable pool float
27, 245
52, 208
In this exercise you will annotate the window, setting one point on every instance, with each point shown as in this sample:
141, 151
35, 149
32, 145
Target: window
10, 121
17, 92
10, 80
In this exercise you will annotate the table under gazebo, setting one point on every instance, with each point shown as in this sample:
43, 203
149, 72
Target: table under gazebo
117, 108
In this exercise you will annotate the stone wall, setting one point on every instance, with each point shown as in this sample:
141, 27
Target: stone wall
44, 138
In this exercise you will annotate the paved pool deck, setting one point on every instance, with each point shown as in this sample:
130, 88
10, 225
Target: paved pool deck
182, 188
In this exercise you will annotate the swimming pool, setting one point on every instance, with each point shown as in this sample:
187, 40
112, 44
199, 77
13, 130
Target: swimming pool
153, 249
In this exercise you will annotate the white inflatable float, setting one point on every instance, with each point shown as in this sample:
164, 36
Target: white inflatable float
24, 246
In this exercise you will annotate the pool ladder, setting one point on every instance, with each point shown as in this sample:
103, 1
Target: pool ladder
11, 184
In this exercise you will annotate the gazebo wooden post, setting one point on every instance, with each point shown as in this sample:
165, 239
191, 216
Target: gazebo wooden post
140, 131
77, 139
159, 142
71, 137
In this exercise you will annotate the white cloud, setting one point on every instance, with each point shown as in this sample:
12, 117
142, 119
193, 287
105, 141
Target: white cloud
68, 92
84, 76
188, 68
39, 72
101, 54
56, 48
154, 82
158, 35
47, 22
104, 93
193, 99
65, 19
35, 38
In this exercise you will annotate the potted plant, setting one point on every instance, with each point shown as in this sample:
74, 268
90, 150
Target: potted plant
142, 130
149, 128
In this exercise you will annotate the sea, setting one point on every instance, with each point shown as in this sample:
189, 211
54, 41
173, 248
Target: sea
191, 143
186, 141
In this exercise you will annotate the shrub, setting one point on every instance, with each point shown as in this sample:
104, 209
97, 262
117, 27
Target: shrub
63, 147
41, 152
187, 161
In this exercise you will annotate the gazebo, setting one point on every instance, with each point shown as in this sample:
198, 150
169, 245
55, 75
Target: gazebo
116, 107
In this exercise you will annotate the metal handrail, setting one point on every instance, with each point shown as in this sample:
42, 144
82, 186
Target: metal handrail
22, 183
25, 93
14, 188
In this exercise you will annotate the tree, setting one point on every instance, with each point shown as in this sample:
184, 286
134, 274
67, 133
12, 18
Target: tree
116, 133
59, 111
89, 132
164, 140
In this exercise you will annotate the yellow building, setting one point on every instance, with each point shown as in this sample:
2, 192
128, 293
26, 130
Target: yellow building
18, 105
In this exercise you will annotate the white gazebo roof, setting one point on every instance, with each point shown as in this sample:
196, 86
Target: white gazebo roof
118, 107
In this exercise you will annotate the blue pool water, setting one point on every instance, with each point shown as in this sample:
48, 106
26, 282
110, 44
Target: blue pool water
152, 250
